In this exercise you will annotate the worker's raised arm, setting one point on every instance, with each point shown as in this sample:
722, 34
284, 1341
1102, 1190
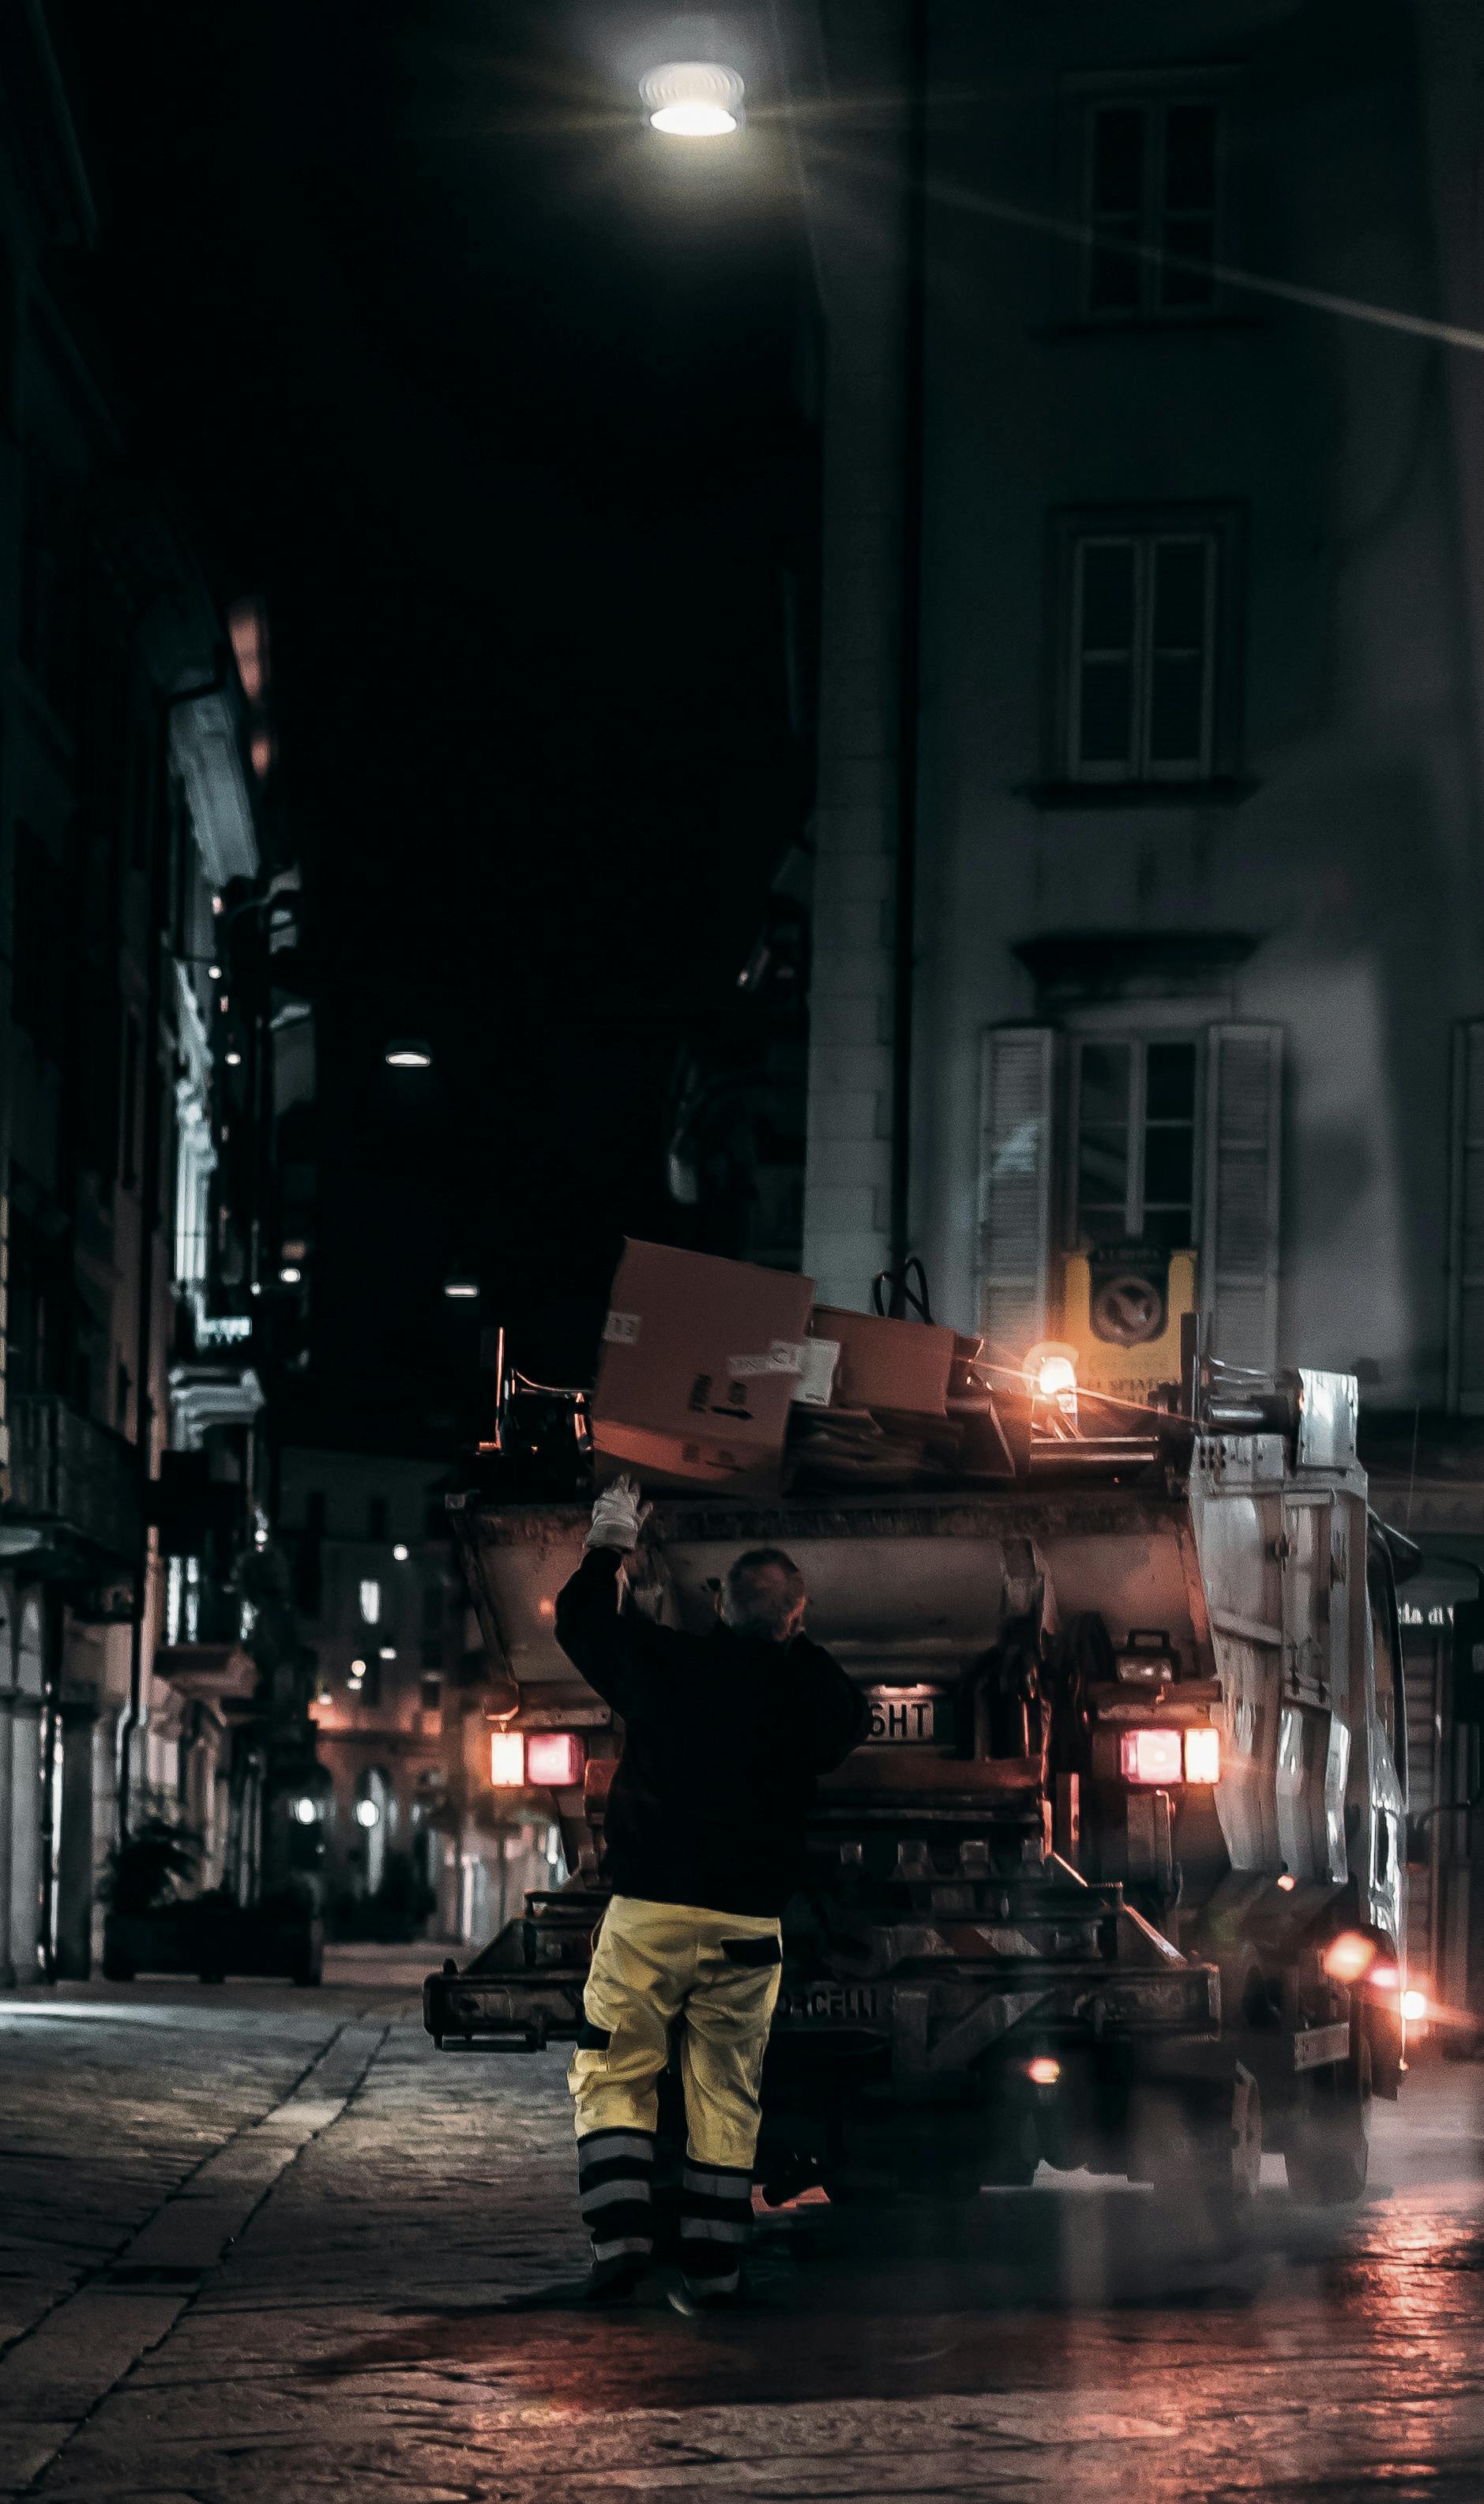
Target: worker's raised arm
599, 1638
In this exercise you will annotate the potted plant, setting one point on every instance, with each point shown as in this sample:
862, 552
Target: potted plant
152, 1927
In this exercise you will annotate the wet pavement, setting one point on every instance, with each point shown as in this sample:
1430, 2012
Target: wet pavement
252, 2242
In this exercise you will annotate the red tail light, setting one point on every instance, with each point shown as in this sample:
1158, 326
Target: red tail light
1151, 1756
554, 1758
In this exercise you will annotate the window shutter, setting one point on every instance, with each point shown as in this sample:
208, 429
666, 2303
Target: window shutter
1015, 1186
1240, 1257
1465, 1266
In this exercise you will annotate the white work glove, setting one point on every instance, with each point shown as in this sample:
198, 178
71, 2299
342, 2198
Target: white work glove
619, 1517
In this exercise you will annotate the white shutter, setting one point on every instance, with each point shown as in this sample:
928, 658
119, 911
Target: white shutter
1239, 1250
1015, 1186
1466, 1264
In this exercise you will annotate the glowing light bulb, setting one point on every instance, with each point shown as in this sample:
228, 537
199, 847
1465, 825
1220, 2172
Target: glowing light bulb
693, 99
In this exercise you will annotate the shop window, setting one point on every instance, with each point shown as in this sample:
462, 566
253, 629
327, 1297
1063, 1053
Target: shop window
1152, 206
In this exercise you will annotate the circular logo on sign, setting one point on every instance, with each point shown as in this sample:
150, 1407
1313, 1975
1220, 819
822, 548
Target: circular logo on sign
1128, 1310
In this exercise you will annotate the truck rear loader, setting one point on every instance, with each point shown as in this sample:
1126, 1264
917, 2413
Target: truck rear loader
1117, 1878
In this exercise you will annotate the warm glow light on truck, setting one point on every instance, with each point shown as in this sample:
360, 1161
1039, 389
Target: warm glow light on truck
1203, 1756
1350, 1957
507, 1760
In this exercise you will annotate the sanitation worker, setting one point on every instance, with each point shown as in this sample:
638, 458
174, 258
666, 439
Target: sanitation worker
724, 1734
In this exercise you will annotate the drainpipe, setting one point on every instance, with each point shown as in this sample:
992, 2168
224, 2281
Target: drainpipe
133, 1718
910, 660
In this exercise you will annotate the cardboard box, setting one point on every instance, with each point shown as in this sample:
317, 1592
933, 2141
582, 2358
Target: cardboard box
900, 1366
700, 1361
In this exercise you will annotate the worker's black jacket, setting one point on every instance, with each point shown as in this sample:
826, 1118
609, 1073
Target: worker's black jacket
723, 1737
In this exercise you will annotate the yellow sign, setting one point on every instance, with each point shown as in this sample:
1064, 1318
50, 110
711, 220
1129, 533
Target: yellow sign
1109, 1325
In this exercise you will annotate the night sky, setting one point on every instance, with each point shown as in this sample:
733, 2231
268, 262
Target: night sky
489, 392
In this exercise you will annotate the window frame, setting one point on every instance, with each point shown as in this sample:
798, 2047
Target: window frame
1137, 1035
1155, 90
1074, 529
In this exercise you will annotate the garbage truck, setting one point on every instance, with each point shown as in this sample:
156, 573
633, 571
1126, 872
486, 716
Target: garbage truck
1116, 1879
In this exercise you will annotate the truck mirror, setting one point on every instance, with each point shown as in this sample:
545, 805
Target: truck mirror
1468, 1660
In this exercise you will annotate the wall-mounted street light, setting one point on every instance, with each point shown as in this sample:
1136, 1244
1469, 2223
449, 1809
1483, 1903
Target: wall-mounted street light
693, 99
289, 1275
460, 1288
400, 1554
368, 1814
408, 1052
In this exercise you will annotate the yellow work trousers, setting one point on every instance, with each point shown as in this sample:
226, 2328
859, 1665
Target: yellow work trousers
713, 1975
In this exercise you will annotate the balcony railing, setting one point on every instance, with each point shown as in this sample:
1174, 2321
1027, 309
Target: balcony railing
68, 1471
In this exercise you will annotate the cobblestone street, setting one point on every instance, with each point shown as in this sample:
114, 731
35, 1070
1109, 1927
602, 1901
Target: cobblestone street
254, 2240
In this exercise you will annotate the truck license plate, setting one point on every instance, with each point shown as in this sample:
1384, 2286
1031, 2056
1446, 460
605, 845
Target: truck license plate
907, 1715
830, 2003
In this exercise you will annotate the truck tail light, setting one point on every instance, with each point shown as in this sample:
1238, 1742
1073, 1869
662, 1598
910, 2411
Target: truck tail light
507, 1760
554, 1758
1203, 1756
1152, 1756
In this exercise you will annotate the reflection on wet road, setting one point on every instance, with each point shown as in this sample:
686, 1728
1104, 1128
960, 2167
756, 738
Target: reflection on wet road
1080, 2339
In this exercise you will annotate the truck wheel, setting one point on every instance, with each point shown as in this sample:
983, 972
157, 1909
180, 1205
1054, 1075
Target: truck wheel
1204, 2143
1329, 2150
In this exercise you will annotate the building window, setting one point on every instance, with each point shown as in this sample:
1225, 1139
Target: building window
1152, 206
1133, 1122
1143, 658
1147, 683
370, 1603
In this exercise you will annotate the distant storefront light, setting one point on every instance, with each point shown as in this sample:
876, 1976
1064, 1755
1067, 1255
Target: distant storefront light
460, 1290
388, 1652
305, 1811
400, 1552
408, 1052
366, 1813
233, 1059
291, 1276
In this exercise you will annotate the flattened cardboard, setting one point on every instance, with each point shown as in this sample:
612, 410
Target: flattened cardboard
701, 1357
896, 1366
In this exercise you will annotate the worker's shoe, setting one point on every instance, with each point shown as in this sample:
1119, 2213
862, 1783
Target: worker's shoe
606, 2283
693, 2298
